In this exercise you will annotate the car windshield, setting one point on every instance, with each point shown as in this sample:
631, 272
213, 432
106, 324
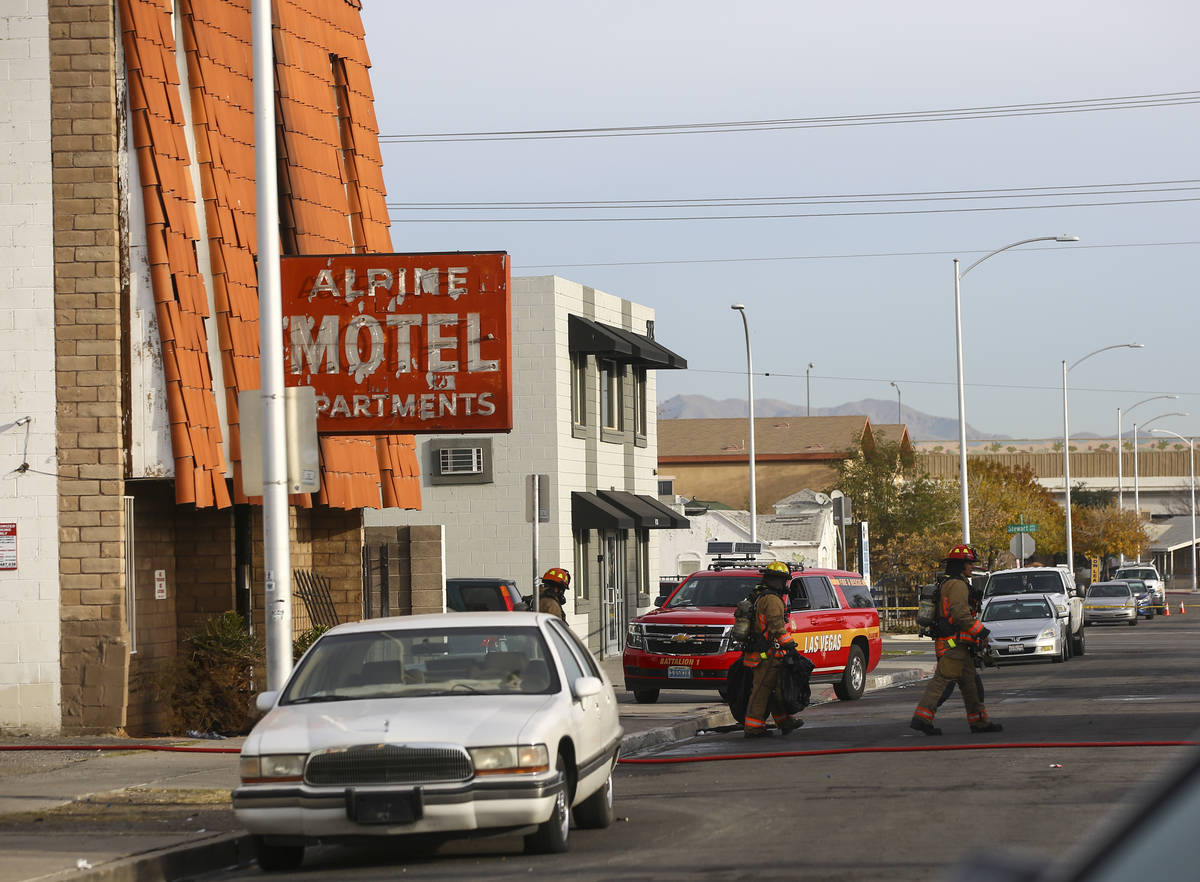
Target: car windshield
1137, 586
407, 663
1139, 573
1108, 589
1007, 610
711, 590
1033, 581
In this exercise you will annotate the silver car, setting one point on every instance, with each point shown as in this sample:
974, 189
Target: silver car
1024, 627
1109, 602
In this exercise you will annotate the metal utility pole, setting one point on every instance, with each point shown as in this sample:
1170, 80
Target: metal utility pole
277, 565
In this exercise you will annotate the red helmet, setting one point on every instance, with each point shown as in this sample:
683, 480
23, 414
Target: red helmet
556, 574
963, 552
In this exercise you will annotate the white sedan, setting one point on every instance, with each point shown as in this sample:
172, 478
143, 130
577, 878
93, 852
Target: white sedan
432, 725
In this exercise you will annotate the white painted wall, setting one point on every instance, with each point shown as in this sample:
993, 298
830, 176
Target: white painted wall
29, 595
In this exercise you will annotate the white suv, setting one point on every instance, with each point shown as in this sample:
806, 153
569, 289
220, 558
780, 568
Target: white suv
1148, 573
1057, 583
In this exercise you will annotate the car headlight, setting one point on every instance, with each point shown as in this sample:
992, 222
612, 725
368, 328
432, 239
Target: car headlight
1047, 634
635, 636
272, 767
510, 759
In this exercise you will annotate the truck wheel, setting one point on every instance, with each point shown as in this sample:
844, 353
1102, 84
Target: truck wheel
854, 678
645, 696
1077, 643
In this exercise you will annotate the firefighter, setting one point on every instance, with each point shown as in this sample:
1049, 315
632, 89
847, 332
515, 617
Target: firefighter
955, 632
765, 652
554, 592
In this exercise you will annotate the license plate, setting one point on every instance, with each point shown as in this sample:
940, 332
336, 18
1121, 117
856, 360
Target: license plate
1016, 647
679, 672
385, 808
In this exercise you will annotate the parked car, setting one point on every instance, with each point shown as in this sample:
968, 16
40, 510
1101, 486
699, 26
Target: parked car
483, 595
1142, 595
438, 725
1109, 602
1148, 573
1024, 627
1058, 586
684, 643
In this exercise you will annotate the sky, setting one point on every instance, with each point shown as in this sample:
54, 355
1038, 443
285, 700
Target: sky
867, 299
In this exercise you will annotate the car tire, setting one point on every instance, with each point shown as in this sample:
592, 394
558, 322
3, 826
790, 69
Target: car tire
1079, 643
724, 693
596, 812
552, 836
1133, 621
277, 858
854, 678
1064, 652
645, 696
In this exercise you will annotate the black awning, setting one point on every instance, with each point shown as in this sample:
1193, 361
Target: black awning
648, 512
595, 338
590, 512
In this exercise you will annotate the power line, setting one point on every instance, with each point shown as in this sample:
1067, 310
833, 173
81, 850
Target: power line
1086, 105
833, 199
709, 217
857, 256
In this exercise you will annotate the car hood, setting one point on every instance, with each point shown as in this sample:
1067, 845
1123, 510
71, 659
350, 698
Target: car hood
473, 721
1017, 627
689, 615
1105, 601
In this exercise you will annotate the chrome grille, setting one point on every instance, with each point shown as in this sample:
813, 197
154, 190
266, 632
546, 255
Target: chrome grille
388, 764
685, 639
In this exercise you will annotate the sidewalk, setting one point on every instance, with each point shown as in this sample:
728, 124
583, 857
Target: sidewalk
137, 815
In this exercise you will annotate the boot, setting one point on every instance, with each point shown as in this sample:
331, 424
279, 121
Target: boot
924, 727
987, 727
789, 725
756, 733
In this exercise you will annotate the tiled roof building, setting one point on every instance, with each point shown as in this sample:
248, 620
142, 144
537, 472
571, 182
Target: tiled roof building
132, 218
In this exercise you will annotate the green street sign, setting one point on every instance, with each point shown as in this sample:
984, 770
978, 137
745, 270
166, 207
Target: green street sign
1022, 528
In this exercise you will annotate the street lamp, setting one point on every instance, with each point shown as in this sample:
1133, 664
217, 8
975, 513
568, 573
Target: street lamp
1192, 475
1137, 503
1067, 442
808, 389
897, 388
1121, 453
962, 418
741, 309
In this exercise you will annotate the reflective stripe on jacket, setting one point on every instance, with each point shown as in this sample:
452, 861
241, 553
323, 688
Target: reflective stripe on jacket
956, 609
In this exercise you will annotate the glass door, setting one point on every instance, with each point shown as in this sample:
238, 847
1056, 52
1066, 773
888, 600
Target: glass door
612, 608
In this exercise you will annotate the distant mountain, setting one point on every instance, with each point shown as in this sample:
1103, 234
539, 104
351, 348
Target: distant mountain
921, 426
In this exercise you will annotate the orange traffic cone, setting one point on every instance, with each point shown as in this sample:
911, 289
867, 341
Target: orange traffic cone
1182, 610
1166, 607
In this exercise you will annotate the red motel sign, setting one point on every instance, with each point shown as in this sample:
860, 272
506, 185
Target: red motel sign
401, 343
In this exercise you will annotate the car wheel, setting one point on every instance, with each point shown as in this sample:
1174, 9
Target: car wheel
1078, 643
1064, 652
854, 678
1133, 621
724, 693
645, 696
277, 858
551, 837
596, 812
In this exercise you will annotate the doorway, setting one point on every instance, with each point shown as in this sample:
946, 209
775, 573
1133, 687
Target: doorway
612, 581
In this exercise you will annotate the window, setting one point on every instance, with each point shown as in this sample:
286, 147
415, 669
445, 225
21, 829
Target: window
582, 557
611, 401
643, 561
858, 595
581, 651
460, 461
666, 487
820, 595
639, 401
579, 389
571, 665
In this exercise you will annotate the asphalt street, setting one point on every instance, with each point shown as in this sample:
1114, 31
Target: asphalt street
1045, 784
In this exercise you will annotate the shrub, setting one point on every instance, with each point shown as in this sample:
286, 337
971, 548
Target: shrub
210, 686
306, 639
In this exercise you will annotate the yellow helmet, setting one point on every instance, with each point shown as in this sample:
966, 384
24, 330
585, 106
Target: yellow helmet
776, 567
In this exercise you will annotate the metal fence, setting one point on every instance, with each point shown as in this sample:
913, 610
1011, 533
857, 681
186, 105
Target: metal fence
313, 590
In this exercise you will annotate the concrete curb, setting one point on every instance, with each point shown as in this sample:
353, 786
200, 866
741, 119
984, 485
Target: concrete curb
235, 850
225, 852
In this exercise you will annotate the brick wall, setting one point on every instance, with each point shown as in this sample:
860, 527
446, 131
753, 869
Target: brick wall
88, 326
29, 616
416, 568
337, 537
157, 632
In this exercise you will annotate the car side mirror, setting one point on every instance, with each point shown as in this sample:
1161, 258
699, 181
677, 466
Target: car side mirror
264, 701
585, 686
659, 601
